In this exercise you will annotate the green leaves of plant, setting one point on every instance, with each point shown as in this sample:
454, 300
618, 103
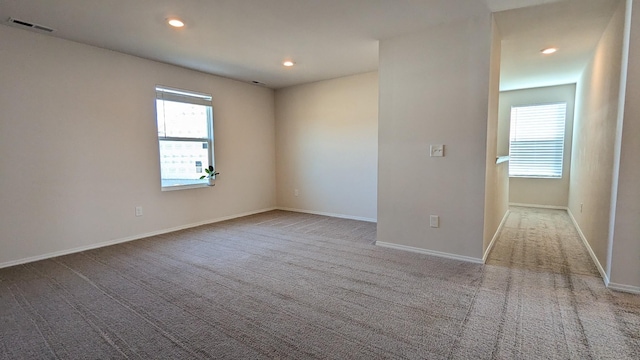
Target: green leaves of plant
210, 173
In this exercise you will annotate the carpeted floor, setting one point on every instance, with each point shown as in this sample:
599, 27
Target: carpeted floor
545, 299
289, 285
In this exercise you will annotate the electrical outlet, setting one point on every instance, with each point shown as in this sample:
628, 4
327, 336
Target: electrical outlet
434, 221
138, 210
296, 192
436, 150
581, 205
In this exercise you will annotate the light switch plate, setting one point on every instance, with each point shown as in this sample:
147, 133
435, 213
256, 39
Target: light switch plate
437, 150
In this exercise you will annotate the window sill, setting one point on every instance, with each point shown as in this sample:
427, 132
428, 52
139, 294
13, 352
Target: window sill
184, 187
501, 159
535, 177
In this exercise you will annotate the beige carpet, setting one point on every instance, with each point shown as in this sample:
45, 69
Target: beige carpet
297, 286
544, 298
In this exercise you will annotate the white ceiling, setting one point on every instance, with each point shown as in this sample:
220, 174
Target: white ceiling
573, 26
248, 39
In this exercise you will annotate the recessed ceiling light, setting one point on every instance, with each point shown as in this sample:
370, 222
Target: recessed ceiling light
288, 63
175, 22
548, 51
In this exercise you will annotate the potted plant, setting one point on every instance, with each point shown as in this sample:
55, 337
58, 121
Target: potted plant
211, 175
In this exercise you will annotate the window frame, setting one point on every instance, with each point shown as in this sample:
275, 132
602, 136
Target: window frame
165, 93
559, 171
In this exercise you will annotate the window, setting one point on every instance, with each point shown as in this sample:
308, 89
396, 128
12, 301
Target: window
185, 137
536, 143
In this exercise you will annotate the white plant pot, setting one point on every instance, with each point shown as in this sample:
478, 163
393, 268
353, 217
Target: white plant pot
212, 182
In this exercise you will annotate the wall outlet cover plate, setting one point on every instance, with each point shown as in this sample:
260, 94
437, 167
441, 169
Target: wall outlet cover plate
436, 150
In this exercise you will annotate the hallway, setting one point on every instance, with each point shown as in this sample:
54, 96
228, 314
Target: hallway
542, 240
553, 304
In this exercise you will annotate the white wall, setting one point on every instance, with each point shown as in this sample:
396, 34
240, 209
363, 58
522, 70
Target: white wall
79, 147
549, 192
327, 146
434, 89
595, 127
496, 203
625, 264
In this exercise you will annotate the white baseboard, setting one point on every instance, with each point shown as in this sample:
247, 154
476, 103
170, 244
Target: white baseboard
625, 288
126, 239
555, 207
603, 273
429, 252
341, 216
495, 236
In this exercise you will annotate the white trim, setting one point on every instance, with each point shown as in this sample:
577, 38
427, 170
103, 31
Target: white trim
604, 275
539, 206
429, 252
126, 239
184, 187
495, 236
625, 288
341, 216
617, 144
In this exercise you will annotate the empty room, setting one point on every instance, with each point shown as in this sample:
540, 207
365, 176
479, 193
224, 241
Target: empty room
335, 179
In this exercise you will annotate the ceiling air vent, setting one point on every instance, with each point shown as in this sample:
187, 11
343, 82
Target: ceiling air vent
24, 24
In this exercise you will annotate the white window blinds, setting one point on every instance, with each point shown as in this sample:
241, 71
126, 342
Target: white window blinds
536, 143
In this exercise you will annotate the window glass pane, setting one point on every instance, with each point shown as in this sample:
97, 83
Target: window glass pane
183, 162
182, 120
536, 144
